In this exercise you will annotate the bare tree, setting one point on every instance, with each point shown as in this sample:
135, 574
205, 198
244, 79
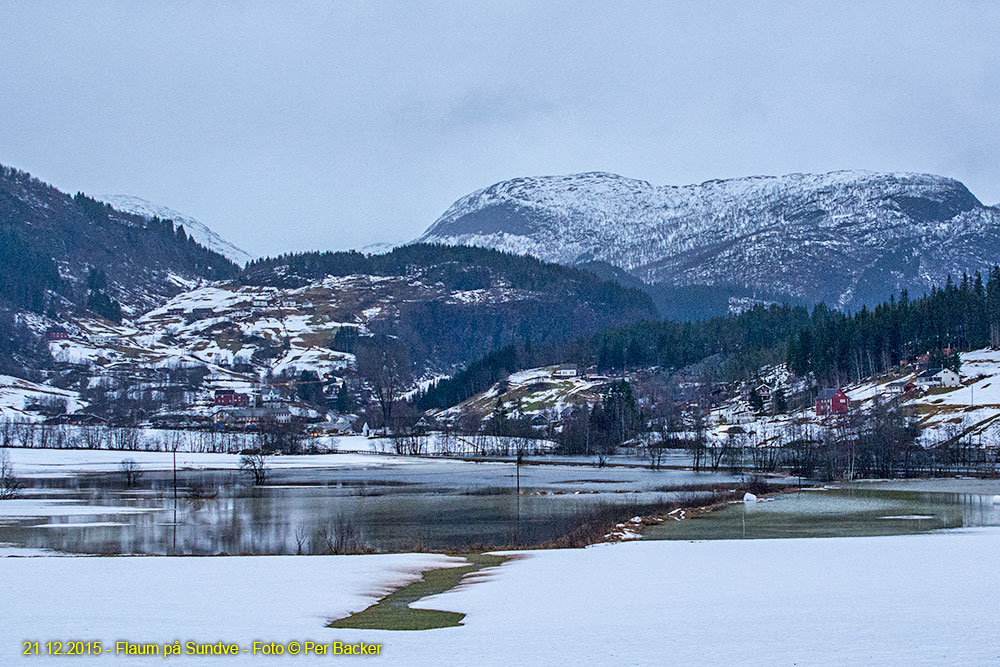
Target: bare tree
384, 363
124, 437
254, 464
10, 484
655, 443
131, 471
721, 449
25, 433
341, 536
93, 436
300, 539
6, 432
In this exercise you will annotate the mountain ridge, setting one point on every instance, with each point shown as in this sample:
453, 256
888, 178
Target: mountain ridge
847, 237
201, 232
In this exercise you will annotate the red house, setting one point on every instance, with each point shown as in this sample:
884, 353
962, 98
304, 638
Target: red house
832, 402
57, 333
230, 397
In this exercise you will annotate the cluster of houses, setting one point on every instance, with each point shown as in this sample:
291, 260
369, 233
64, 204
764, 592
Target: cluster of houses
242, 411
829, 401
235, 412
836, 402
99, 338
928, 379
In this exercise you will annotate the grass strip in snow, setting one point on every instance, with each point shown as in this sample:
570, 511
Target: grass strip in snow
393, 612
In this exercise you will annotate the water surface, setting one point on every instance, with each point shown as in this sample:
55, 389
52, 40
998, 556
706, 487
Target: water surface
863, 510
428, 504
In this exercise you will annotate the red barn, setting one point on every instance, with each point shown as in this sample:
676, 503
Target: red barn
57, 333
233, 398
832, 402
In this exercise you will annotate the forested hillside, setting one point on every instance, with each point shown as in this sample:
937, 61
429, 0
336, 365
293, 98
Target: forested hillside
60, 252
836, 348
448, 305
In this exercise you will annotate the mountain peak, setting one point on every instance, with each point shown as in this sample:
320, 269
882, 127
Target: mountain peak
201, 232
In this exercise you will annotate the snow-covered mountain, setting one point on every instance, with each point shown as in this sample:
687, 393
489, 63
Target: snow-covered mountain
846, 238
195, 228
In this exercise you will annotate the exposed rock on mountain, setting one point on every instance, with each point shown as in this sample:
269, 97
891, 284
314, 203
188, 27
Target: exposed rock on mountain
846, 238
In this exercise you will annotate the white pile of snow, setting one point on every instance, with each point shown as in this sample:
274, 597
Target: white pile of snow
206, 600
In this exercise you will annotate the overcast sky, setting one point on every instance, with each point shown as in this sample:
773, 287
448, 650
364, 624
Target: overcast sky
334, 125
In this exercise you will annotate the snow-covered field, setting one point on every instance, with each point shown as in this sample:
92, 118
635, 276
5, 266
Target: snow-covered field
345, 451
206, 600
17, 393
915, 600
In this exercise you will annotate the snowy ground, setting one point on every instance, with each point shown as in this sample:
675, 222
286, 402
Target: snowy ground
161, 599
915, 600
16, 394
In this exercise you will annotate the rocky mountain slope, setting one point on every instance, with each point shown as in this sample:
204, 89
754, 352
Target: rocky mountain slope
846, 238
196, 229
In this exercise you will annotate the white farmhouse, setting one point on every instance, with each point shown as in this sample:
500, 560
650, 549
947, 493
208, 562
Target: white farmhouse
938, 377
566, 371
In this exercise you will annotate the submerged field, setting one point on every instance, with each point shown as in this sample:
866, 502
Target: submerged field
75, 502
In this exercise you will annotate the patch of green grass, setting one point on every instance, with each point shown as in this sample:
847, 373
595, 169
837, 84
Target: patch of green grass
393, 612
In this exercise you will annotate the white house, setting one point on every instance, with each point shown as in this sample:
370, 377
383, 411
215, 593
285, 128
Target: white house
938, 377
897, 387
565, 371
272, 396
104, 339
738, 414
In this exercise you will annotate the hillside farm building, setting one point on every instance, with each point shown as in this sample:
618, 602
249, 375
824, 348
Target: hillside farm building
251, 418
57, 333
938, 377
832, 402
566, 371
232, 398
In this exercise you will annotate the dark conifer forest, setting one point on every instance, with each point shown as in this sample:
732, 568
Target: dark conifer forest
834, 347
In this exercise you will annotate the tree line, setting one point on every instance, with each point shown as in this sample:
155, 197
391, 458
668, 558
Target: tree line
832, 346
836, 347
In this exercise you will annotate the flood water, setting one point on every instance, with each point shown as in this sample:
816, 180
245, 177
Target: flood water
864, 510
424, 504
432, 505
